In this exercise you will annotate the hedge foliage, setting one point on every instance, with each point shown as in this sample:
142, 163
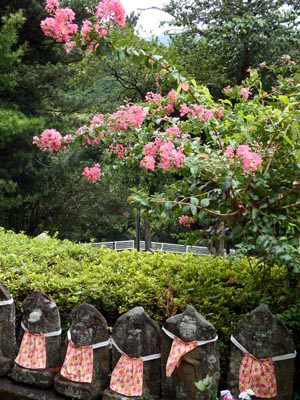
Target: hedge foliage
222, 290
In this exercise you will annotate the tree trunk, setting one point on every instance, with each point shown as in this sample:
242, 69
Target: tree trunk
147, 234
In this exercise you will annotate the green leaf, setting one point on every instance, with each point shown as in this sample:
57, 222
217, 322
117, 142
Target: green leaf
194, 201
193, 210
205, 202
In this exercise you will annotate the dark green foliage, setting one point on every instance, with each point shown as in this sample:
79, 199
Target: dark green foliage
221, 39
10, 53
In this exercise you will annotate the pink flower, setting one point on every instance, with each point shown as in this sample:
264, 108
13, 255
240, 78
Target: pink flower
118, 149
153, 97
228, 89
60, 27
70, 45
148, 162
166, 154
184, 109
172, 96
197, 111
170, 157
111, 10
245, 93
150, 149
50, 140
86, 28
243, 149
229, 153
218, 112
174, 131
185, 220
184, 86
51, 5
250, 160
127, 117
96, 123
169, 108
93, 173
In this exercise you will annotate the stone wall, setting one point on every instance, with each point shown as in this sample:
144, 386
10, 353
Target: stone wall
136, 358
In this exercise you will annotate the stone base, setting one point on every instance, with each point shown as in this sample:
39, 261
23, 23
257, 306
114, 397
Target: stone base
6, 365
41, 378
109, 394
77, 390
13, 391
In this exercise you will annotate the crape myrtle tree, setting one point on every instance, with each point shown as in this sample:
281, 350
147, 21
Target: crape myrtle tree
235, 161
221, 39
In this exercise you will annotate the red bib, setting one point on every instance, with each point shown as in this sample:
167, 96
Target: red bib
258, 375
127, 376
178, 350
32, 352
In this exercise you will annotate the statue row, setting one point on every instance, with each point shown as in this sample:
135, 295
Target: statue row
139, 359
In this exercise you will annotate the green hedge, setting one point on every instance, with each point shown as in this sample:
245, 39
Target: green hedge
222, 290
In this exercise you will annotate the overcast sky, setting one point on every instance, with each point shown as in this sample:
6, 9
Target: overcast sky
149, 20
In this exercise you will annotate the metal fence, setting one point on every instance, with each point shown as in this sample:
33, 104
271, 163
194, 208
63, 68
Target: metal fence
155, 246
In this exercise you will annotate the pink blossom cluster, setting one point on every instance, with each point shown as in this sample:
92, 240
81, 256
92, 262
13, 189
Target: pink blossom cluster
60, 26
101, 29
93, 174
153, 98
97, 121
51, 140
200, 112
251, 161
245, 93
163, 103
111, 10
51, 6
186, 221
164, 153
92, 134
119, 149
173, 131
127, 117
288, 59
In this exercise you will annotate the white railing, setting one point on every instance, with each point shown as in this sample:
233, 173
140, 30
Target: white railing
120, 245
155, 246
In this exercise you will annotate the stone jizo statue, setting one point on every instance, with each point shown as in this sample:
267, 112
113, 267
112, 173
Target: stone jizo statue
85, 370
262, 356
189, 354
136, 355
39, 355
7, 331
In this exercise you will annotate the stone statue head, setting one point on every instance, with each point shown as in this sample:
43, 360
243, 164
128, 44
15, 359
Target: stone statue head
188, 328
88, 325
40, 313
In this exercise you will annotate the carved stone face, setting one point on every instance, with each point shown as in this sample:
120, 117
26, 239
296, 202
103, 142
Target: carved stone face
40, 313
188, 328
81, 335
134, 342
